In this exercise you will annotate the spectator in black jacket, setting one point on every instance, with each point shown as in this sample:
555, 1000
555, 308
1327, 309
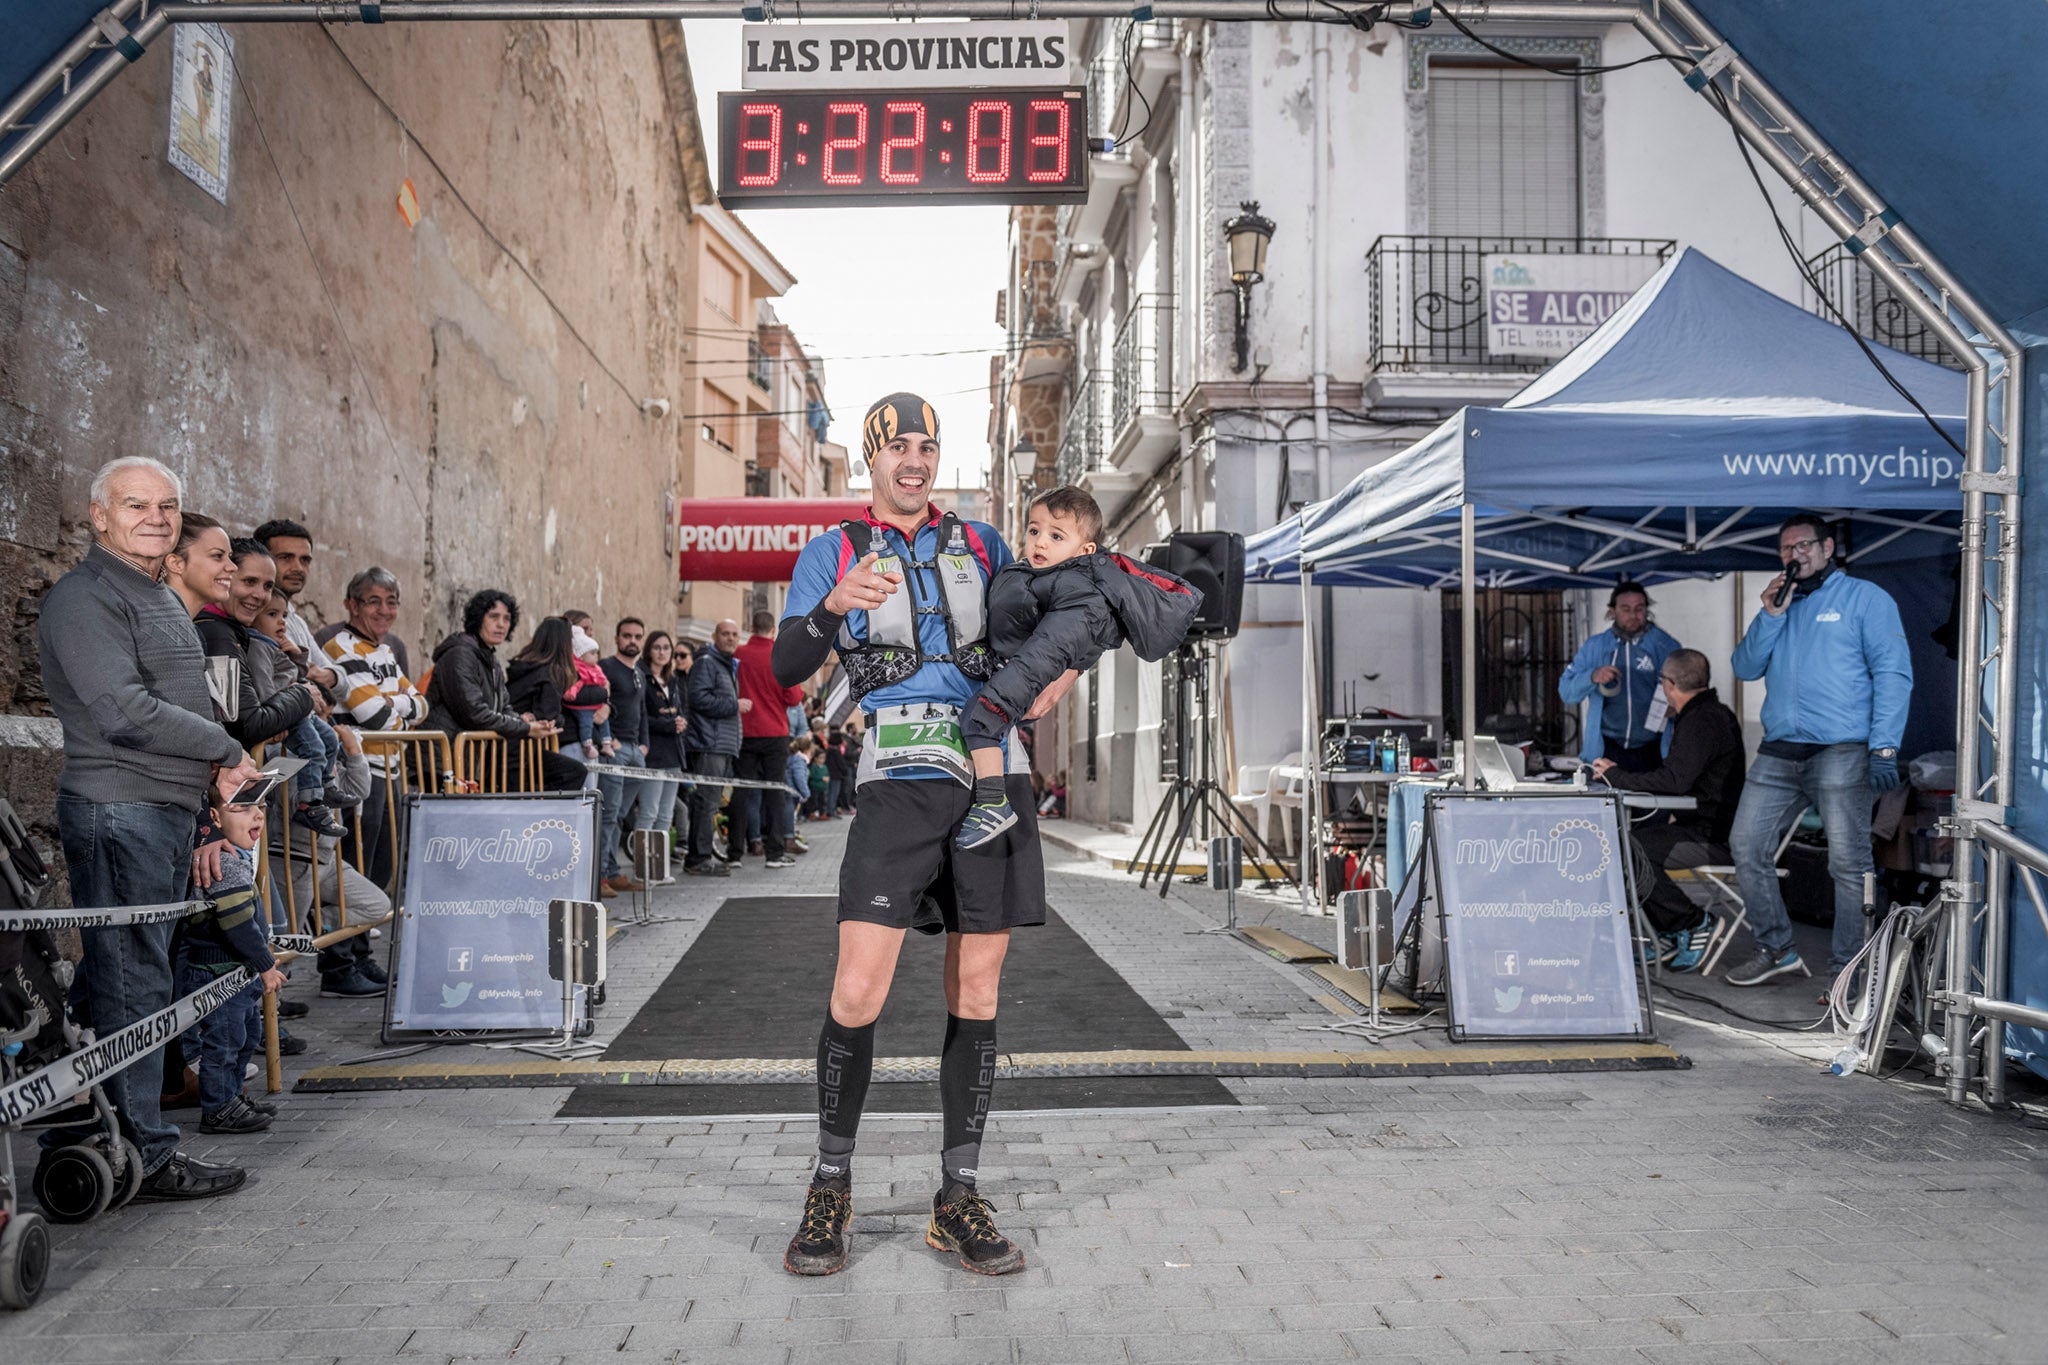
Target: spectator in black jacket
712, 740
619, 795
468, 691
535, 682
1706, 764
665, 672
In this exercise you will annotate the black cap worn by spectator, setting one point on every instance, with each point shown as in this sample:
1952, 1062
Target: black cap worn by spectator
892, 416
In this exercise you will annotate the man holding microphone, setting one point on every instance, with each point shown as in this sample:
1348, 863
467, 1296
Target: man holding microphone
1837, 676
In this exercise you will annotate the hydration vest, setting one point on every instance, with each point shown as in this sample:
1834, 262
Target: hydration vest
891, 652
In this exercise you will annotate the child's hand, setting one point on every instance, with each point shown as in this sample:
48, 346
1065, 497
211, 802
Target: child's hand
273, 981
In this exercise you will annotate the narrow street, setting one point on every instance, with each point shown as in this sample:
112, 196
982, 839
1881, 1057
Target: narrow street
1748, 1208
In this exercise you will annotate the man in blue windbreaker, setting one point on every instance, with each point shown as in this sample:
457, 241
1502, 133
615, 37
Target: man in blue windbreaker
1616, 673
1837, 677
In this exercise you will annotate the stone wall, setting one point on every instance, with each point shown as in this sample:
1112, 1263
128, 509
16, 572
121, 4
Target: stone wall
458, 401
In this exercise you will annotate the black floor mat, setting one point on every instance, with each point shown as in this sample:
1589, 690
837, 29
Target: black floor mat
756, 982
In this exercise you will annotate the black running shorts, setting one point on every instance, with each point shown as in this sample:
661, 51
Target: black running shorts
900, 851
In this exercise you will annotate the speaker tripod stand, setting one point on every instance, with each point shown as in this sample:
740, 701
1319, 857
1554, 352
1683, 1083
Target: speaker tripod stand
1197, 795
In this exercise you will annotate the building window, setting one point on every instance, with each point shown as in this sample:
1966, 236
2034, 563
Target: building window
721, 285
1503, 153
720, 418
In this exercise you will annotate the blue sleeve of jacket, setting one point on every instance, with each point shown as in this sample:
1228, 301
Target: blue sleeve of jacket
1577, 683
1890, 662
1753, 654
707, 698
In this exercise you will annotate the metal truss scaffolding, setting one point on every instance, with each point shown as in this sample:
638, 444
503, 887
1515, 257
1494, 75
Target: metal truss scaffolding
1977, 898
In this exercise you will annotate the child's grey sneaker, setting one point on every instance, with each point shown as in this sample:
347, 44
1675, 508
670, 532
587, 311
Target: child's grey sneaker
984, 824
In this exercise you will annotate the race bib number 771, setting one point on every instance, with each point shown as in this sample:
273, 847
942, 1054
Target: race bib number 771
904, 738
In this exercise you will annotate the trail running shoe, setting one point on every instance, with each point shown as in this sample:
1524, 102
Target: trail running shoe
964, 1222
983, 824
819, 1247
1768, 966
1692, 949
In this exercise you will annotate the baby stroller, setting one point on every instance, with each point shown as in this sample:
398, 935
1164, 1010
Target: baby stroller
73, 1183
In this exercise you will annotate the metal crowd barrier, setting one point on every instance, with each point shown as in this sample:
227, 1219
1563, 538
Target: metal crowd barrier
487, 763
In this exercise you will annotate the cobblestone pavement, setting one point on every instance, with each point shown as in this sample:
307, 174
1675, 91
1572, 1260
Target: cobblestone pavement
1749, 1209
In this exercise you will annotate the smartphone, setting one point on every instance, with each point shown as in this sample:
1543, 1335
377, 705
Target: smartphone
257, 792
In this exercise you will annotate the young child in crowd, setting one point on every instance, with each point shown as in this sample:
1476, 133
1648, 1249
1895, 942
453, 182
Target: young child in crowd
593, 734
797, 771
821, 778
1054, 800
277, 664
228, 934
1061, 607
839, 779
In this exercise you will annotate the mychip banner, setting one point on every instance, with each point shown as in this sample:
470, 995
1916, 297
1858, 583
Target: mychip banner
472, 940
1533, 891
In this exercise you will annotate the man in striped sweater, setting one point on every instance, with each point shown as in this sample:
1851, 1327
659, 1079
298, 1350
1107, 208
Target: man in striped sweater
376, 695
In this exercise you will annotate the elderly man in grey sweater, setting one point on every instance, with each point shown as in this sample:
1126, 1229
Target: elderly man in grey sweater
125, 674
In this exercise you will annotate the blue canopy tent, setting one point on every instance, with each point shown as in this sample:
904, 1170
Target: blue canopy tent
1670, 443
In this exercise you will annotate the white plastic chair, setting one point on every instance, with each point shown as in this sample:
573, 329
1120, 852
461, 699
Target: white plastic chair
1725, 898
1254, 794
1288, 792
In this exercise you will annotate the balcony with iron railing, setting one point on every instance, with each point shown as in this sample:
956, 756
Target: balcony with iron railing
1083, 445
1852, 293
1427, 296
1142, 361
1142, 426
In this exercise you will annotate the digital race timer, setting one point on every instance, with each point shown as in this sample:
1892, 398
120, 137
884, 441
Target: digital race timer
801, 148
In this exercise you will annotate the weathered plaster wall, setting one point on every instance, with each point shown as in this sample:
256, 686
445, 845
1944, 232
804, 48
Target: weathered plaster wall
418, 396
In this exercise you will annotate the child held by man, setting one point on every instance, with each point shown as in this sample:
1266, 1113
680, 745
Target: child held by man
1059, 608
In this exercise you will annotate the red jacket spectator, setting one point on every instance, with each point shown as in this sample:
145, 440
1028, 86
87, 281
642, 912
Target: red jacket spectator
770, 716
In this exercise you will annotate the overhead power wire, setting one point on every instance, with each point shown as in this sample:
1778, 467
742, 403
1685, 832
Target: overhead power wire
1131, 84
1574, 71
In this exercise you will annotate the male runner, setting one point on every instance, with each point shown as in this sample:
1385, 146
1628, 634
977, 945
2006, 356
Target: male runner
902, 594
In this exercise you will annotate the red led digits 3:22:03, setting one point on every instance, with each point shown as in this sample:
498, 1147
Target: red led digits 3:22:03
849, 147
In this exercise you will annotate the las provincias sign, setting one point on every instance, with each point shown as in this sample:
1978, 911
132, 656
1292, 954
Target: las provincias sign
926, 56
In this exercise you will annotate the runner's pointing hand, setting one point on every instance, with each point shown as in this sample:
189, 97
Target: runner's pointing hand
863, 588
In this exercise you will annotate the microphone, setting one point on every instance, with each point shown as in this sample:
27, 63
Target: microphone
1784, 589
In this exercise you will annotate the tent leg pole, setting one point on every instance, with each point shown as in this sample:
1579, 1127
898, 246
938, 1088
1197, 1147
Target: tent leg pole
1311, 881
1468, 640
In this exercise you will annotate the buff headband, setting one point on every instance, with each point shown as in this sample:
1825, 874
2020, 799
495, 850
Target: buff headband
892, 416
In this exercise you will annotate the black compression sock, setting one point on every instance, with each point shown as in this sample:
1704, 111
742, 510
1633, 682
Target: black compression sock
846, 1059
967, 1079
989, 791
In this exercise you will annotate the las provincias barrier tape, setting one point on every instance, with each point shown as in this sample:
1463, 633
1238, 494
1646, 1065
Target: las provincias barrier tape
19, 921
16, 921
23, 1099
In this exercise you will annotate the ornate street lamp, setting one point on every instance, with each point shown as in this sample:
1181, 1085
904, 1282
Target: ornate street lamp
1249, 233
